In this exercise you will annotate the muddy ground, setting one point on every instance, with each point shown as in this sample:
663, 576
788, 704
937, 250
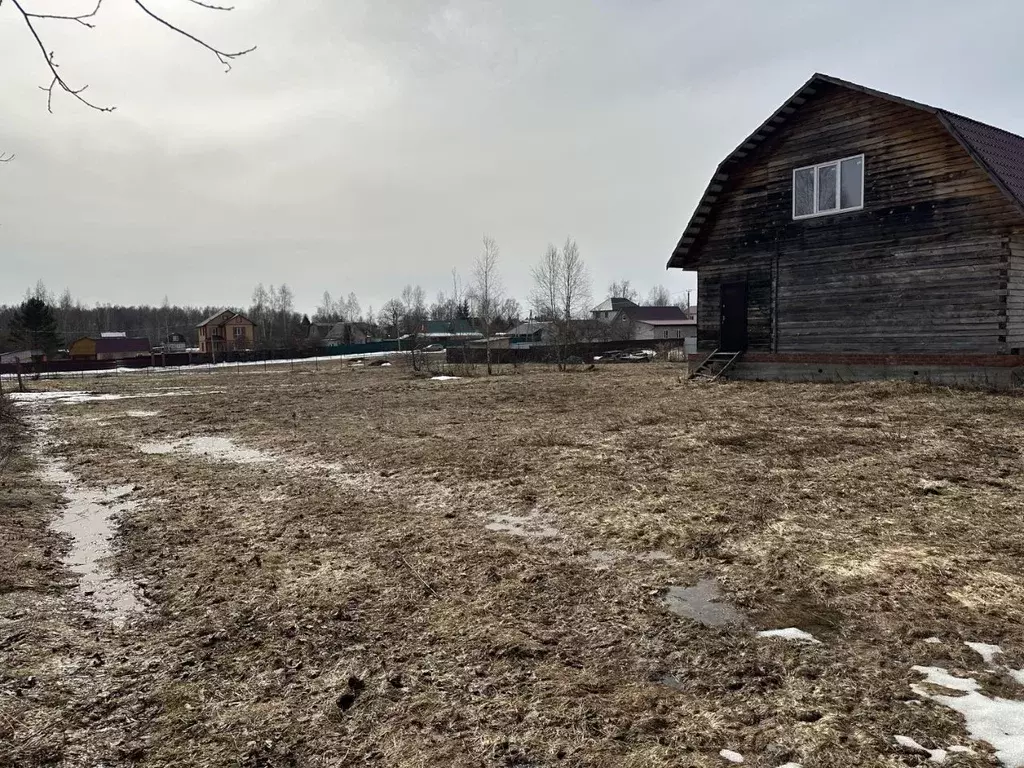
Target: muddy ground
357, 566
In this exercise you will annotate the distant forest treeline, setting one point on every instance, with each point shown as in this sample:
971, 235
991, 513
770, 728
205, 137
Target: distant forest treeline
559, 295
279, 325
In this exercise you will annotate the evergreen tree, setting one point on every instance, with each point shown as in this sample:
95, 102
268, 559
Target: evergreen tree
34, 326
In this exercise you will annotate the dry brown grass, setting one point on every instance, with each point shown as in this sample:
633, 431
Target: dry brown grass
290, 624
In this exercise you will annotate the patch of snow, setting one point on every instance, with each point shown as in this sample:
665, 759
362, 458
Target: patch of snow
214, 448
156, 448
1017, 675
74, 396
935, 755
732, 757
791, 765
933, 640
208, 367
959, 748
998, 721
385, 365
985, 650
142, 414
790, 633
444, 378
63, 397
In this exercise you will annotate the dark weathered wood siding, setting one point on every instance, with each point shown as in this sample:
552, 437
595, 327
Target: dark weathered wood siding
922, 268
1015, 295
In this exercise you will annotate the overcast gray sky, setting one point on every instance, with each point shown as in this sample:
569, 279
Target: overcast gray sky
367, 144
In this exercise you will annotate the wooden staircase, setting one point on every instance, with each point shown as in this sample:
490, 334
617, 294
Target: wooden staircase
714, 365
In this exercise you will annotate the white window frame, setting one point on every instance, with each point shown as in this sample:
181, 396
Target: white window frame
839, 180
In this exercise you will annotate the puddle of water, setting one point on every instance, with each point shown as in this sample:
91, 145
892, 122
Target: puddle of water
702, 603
522, 525
606, 557
88, 518
224, 449
672, 681
656, 554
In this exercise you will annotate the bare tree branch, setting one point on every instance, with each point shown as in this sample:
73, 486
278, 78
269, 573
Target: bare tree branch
213, 7
57, 79
80, 18
224, 57
5, 158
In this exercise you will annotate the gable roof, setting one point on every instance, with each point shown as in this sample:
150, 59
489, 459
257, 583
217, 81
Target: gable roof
999, 153
613, 303
214, 316
231, 315
342, 328
530, 328
657, 315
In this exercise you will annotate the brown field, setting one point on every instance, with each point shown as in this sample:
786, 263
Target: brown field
411, 573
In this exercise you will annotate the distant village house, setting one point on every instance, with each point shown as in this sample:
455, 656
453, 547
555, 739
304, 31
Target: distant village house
109, 346
23, 356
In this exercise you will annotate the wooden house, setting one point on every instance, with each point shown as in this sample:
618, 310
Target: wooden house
226, 330
856, 234
344, 333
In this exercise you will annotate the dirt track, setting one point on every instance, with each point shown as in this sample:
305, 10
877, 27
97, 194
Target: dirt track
405, 572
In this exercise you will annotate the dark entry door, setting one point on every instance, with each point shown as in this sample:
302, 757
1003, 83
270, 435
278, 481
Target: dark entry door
733, 329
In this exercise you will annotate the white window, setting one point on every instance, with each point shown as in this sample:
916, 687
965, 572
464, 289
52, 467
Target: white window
829, 188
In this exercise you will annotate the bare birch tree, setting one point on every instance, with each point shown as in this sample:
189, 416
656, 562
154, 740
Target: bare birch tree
487, 291
546, 281
561, 291
574, 290
458, 295
659, 297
